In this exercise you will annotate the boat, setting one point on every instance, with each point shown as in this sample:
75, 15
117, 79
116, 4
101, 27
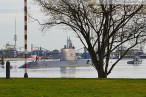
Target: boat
68, 58
136, 60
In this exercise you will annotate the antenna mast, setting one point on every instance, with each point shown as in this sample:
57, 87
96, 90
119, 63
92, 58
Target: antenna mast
15, 36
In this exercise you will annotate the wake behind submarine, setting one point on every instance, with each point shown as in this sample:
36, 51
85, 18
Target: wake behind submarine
68, 58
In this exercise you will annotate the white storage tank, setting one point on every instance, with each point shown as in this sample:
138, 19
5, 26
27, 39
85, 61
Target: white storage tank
68, 54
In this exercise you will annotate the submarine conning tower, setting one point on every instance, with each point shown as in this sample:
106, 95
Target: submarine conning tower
68, 52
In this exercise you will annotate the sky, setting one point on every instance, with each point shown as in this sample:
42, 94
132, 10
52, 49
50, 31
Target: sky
54, 38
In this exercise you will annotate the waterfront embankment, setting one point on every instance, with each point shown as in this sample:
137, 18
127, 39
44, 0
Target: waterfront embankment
17, 59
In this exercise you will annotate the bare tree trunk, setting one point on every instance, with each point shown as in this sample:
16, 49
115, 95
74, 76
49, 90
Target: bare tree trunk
99, 67
101, 74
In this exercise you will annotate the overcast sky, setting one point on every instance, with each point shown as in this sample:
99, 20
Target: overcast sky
54, 38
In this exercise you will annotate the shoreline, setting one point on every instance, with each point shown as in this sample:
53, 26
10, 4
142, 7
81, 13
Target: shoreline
17, 59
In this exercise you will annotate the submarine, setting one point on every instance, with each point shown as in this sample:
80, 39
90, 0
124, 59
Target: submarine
68, 58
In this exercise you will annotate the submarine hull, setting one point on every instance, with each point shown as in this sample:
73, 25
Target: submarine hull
47, 64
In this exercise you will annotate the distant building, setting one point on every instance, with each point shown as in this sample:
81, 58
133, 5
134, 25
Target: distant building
9, 51
86, 54
131, 53
55, 54
8, 46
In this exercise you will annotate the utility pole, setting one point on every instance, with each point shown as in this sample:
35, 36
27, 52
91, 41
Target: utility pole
25, 36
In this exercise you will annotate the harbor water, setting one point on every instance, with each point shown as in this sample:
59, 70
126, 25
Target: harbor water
121, 70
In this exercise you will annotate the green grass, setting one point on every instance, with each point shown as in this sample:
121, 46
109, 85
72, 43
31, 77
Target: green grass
35, 87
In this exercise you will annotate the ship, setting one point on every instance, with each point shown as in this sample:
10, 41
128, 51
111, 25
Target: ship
68, 58
136, 60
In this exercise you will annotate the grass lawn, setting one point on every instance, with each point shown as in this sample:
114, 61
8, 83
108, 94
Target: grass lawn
57, 87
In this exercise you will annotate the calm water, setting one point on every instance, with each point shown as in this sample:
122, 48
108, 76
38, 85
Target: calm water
122, 70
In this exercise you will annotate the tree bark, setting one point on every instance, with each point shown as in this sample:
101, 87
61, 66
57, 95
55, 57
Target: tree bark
101, 74
98, 64
101, 71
